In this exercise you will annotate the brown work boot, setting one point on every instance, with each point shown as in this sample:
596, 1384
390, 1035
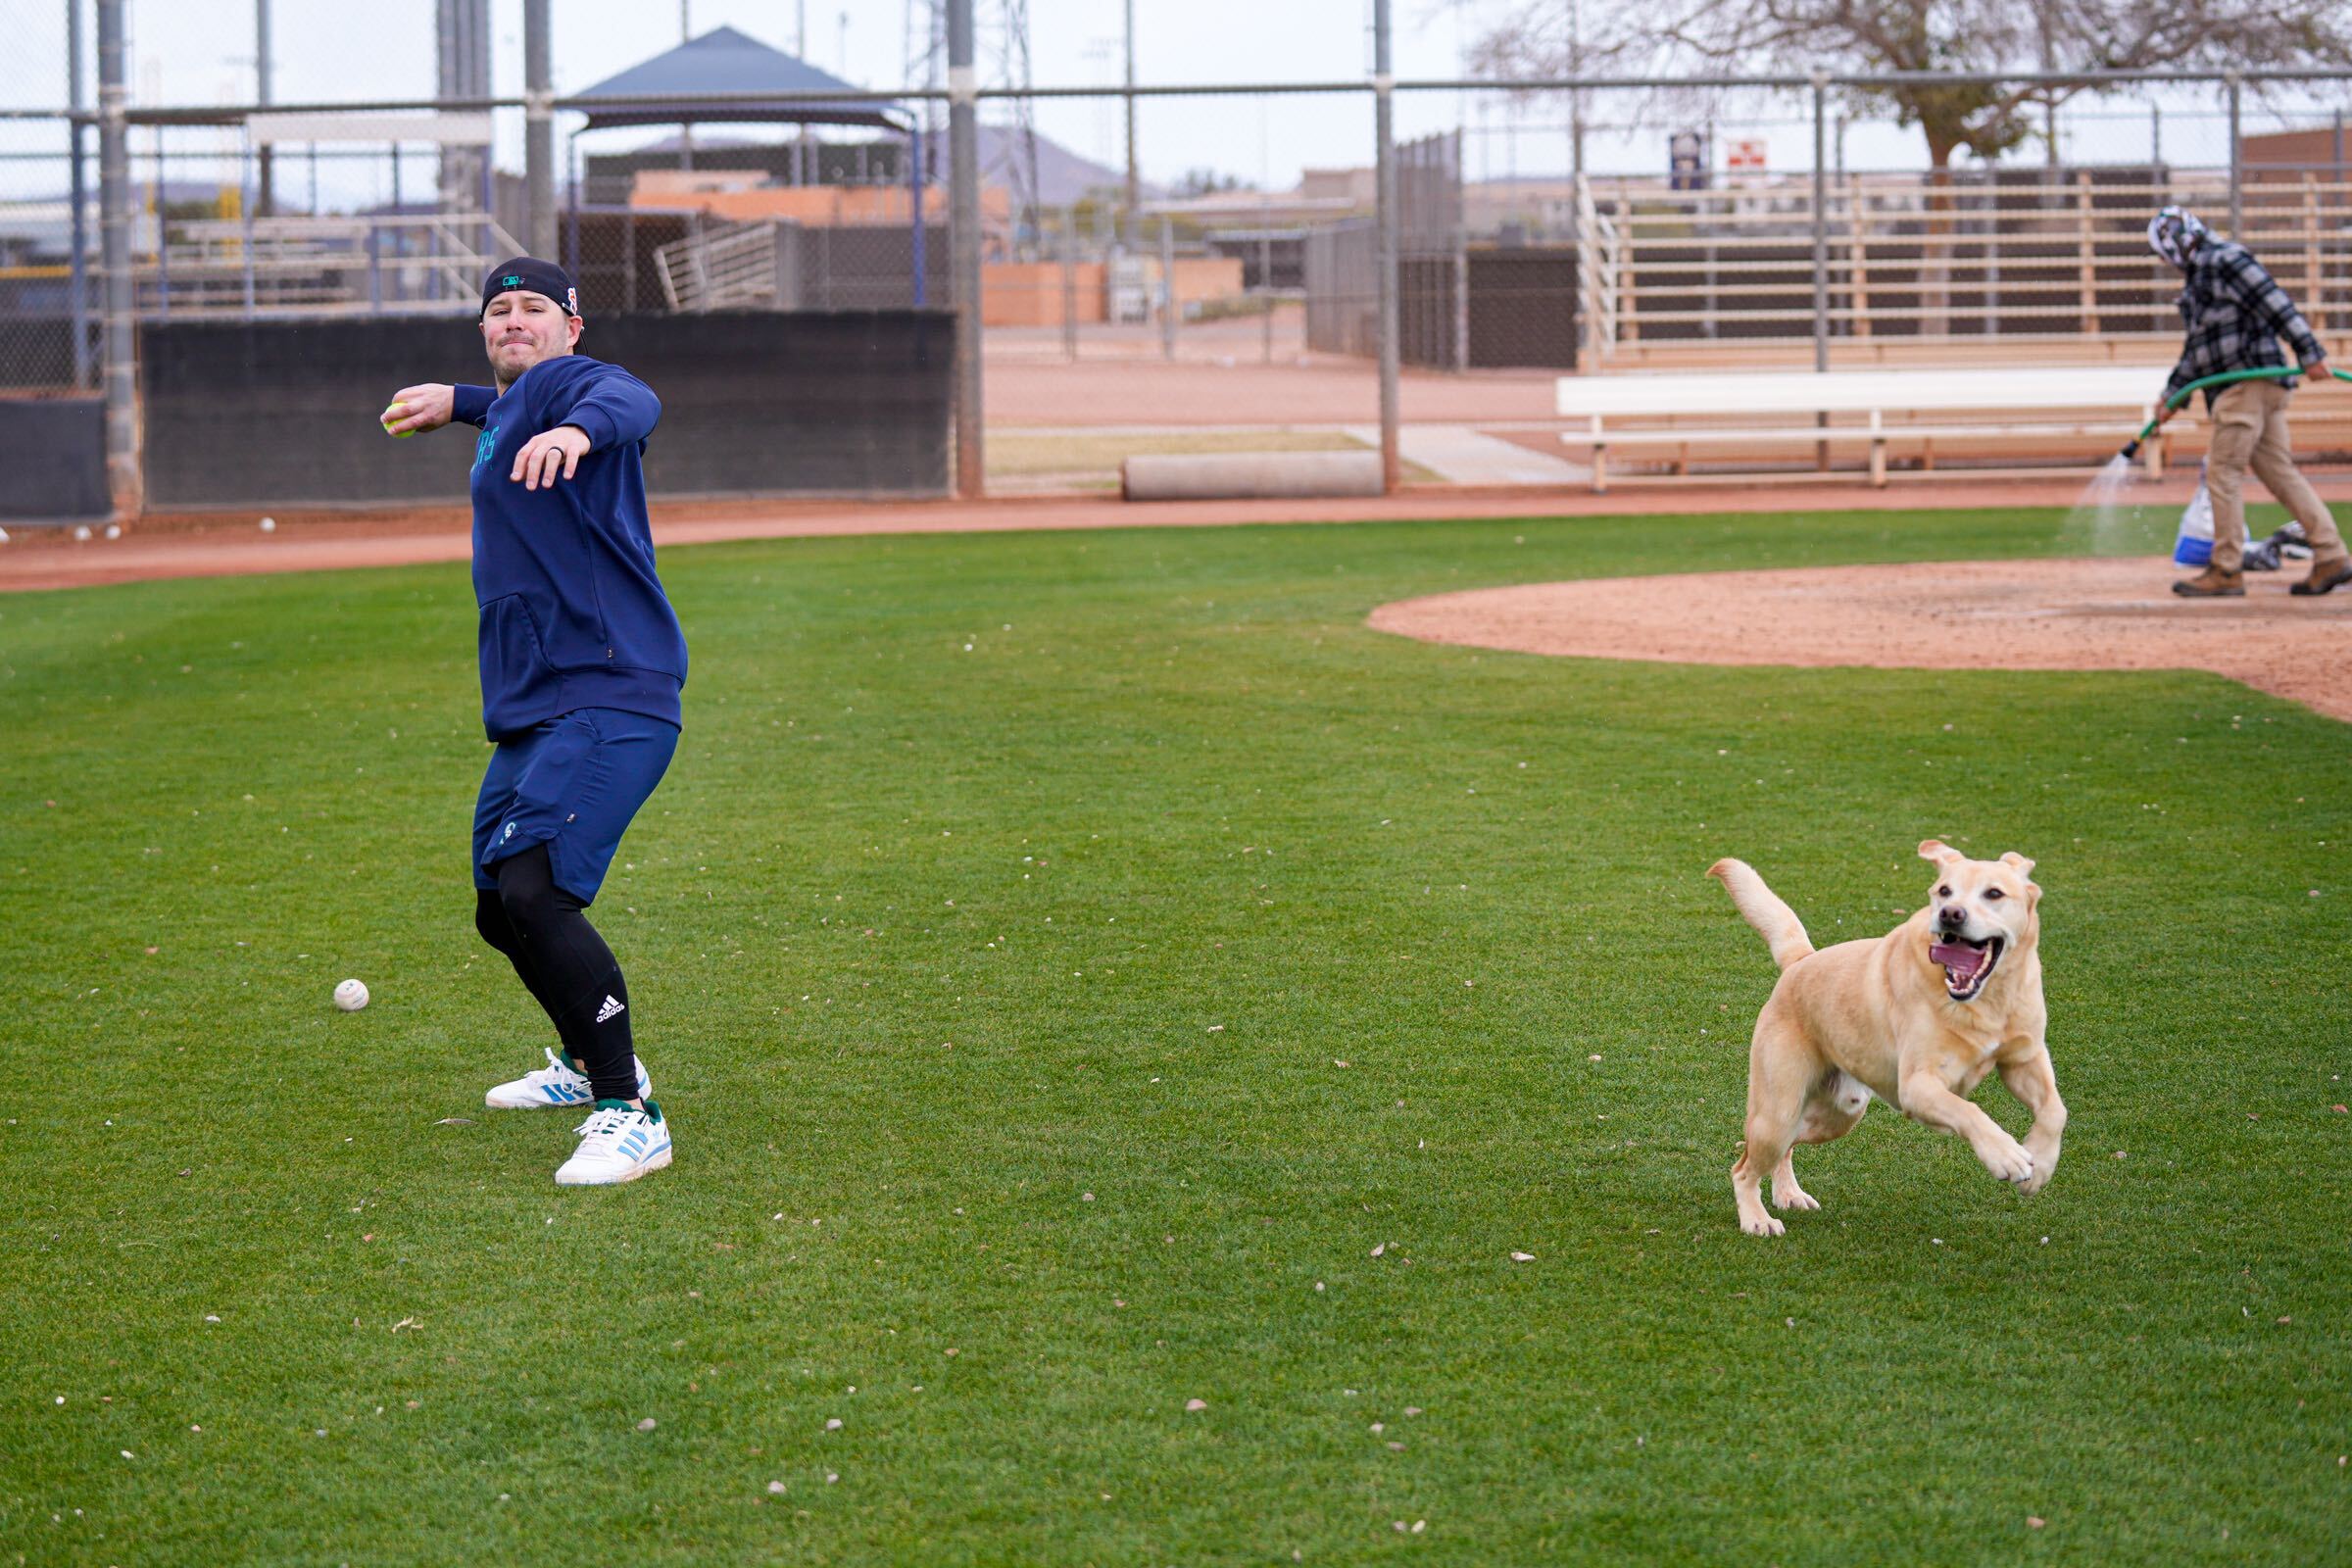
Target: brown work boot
2332, 572
2213, 583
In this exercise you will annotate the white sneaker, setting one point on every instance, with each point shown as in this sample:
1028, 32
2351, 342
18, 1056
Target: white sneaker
556, 1084
618, 1144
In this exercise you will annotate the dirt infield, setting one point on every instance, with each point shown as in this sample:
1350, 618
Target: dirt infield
2103, 613
219, 544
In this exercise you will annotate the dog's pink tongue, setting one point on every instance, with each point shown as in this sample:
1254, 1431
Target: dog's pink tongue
1962, 960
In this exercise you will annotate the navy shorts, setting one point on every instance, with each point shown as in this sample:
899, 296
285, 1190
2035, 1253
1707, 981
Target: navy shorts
571, 784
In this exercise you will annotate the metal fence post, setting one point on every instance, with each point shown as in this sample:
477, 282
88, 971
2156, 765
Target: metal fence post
1167, 289
79, 196
539, 131
1265, 281
964, 176
160, 199
123, 478
1821, 249
1821, 225
920, 264
1461, 262
1384, 87
2238, 210
245, 246
1070, 286
266, 190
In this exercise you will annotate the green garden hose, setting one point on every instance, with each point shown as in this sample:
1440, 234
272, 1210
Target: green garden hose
2262, 372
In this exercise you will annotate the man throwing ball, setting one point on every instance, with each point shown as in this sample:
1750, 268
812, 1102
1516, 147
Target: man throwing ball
582, 663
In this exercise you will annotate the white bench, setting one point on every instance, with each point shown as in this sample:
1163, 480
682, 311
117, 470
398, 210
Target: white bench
1733, 403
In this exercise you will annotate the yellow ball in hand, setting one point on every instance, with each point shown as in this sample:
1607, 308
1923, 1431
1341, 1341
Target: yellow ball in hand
386, 419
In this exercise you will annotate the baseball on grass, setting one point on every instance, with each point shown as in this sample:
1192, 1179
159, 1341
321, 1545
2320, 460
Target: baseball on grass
351, 994
397, 410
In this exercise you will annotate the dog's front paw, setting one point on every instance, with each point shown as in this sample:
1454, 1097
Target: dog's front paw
1761, 1224
1793, 1198
2009, 1160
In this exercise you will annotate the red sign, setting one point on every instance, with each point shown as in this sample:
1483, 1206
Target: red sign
1744, 153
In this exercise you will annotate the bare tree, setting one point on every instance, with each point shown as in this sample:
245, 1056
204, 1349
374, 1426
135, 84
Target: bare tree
1664, 38
1553, 39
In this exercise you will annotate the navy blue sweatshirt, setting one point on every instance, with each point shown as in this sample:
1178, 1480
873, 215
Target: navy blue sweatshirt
571, 613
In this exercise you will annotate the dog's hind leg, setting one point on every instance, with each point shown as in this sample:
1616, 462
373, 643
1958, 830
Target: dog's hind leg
1836, 1103
1781, 1069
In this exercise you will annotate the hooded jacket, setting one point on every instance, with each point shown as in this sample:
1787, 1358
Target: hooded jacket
572, 615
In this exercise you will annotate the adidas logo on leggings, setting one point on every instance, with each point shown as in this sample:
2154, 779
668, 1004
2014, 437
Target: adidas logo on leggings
612, 1006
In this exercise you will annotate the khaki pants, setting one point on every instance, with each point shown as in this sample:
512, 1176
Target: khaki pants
2249, 432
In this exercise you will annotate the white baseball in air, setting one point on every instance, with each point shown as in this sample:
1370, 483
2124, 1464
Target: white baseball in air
269, 525
81, 533
351, 994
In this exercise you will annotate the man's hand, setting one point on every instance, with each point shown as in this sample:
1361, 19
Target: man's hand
428, 407
548, 456
2318, 372
2164, 415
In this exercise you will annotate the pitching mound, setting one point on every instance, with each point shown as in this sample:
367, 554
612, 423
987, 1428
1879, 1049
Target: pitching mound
1976, 615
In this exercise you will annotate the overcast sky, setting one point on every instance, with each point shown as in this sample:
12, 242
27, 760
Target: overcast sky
201, 52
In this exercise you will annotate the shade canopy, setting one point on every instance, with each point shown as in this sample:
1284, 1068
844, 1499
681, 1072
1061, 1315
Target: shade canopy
724, 60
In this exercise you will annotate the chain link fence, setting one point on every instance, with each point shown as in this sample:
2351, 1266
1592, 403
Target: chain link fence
1540, 229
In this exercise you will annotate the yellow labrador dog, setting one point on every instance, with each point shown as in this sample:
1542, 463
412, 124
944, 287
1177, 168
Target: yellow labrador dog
1917, 1018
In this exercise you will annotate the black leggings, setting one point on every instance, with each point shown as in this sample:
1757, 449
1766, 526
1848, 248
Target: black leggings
566, 965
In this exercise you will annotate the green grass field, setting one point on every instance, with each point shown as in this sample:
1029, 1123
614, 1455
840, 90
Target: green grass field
1092, 973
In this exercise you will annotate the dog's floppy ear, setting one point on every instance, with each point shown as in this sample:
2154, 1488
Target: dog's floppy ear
2018, 862
1940, 852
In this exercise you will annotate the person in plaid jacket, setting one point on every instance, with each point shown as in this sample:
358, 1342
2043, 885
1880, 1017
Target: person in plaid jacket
2237, 313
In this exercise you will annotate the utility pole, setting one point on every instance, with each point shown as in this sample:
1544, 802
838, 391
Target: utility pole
963, 207
123, 478
265, 192
539, 131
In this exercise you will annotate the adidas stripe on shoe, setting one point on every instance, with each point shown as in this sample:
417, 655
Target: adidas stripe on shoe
619, 1142
554, 1085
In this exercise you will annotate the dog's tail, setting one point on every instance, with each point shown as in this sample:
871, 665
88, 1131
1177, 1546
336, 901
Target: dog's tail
1761, 907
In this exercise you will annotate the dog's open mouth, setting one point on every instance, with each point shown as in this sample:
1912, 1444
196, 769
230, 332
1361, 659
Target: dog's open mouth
1967, 964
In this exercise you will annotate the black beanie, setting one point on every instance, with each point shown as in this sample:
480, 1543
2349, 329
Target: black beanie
540, 277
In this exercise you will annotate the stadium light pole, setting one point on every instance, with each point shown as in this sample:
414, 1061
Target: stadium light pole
113, 224
1384, 128
963, 209
539, 131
